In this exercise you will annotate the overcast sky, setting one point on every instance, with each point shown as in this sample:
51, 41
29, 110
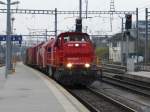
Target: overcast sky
24, 23
73, 4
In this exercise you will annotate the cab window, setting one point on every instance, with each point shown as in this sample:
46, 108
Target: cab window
76, 38
66, 39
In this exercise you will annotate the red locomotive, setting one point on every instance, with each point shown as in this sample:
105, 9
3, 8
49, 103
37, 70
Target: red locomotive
69, 58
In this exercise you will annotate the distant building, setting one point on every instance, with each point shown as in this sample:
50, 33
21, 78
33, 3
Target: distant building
100, 40
142, 29
117, 47
142, 37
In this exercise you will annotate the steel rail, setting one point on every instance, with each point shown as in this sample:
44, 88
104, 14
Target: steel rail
101, 95
84, 102
116, 102
126, 85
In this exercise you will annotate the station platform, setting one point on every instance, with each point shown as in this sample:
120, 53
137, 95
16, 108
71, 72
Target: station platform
141, 76
28, 90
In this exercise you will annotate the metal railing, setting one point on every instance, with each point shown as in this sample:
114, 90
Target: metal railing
142, 68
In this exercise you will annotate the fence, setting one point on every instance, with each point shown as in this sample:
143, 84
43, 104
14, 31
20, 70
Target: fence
143, 68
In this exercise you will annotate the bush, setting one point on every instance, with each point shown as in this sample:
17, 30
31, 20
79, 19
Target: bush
102, 52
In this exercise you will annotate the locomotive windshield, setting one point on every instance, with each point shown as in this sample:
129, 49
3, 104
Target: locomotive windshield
76, 38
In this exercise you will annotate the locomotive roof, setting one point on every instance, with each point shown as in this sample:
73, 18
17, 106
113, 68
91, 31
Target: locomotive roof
72, 33
52, 40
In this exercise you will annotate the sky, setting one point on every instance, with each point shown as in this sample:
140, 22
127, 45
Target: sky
99, 24
73, 4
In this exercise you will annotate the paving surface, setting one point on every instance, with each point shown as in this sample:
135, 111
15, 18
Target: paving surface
142, 76
141, 73
28, 91
2, 77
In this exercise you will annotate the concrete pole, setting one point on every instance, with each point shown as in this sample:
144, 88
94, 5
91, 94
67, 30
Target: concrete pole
86, 9
146, 37
12, 43
137, 35
80, 9
127, 46
121, 52
80, 12
55, 22
8, 40
122, 28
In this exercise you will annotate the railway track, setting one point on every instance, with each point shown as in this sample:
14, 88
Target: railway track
133, 85
98, 102
112, 68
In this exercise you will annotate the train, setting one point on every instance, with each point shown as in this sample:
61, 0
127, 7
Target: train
69, 58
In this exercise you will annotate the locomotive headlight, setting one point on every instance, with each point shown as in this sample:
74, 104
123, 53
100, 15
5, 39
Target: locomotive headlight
69, 65
87, 65
76, 45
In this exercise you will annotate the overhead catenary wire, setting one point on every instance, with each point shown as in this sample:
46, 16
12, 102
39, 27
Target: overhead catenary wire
141, 9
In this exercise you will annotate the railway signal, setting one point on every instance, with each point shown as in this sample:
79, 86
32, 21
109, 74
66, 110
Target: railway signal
128, 24
78, 25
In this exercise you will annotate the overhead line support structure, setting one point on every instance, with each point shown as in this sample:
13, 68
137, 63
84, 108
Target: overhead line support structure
52, 12
112, 9
137, 36
55, 22
8, 40
56, 12
147, 19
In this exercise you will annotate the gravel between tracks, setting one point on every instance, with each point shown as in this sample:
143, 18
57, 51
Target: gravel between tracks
136, 101
98, 102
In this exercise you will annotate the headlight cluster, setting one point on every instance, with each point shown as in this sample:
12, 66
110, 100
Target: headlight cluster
69, 65
76, 45
87, 65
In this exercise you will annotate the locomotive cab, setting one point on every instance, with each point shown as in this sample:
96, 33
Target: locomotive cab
76, 50
75, 58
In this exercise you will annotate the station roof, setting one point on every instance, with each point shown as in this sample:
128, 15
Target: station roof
120, 36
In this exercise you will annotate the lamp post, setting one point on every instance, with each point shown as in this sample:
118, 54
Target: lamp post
8, 39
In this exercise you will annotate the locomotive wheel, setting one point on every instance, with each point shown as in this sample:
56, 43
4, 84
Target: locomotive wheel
50, 71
